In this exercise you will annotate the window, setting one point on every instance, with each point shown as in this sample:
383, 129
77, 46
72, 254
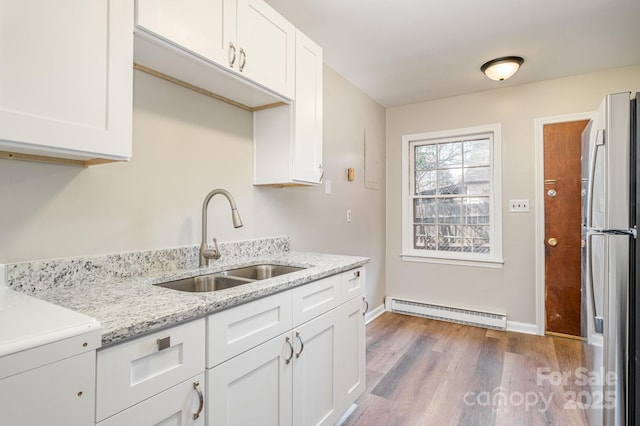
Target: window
451, 197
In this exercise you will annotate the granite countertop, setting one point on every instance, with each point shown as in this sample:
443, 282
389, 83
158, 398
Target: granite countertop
130, 307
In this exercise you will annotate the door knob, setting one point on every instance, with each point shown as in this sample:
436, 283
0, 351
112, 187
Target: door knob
552, 242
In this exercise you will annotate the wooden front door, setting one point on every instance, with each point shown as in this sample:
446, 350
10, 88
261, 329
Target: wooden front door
562, 174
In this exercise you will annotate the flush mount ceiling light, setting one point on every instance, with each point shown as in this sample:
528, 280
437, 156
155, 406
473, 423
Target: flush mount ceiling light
502, 68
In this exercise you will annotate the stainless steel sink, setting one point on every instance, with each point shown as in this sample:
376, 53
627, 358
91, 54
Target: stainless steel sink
262, 272
228, 279
205, 283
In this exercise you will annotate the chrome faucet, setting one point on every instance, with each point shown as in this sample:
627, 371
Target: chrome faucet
206, 253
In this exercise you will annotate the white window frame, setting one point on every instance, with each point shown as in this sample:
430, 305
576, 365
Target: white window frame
493, 259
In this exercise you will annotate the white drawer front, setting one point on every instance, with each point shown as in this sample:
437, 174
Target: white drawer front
353, 283
176, 406
133, 371
316, 298
243, 327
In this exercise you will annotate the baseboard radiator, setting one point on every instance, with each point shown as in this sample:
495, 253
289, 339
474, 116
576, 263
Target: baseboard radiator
444, 313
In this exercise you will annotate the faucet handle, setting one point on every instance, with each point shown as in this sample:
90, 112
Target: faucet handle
216, 249
213, 253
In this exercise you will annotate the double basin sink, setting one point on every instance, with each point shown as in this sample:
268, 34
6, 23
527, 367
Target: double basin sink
228, 279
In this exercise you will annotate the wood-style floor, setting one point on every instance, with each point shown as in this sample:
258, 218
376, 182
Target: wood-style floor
427, 372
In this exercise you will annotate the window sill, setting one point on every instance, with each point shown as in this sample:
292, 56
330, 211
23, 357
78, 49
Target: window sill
477, 263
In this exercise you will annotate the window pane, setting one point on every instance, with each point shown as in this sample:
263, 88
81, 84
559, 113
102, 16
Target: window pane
426, 183
477, 238
425, 157
449, 155
476, 210
449, 181
452, 195
425, 237
477, 180
450, 237
450, 210
476, 153
424, 211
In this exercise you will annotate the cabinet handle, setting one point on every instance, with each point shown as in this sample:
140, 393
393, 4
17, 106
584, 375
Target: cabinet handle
163, 343
322, 174
288, 360
232, 60
243, 58
196, 386
355, 275
366, 304
301, 344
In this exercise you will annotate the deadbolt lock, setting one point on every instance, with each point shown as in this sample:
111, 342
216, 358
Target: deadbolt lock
552, 242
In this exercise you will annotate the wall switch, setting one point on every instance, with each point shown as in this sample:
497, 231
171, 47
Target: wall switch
519, 206
348, 215
327, 187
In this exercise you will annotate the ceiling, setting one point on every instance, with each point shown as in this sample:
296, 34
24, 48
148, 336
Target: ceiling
407, 51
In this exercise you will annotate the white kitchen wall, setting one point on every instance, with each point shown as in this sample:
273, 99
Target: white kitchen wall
186, 144
510, 290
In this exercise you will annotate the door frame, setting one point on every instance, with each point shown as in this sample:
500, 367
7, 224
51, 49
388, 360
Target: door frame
539, 207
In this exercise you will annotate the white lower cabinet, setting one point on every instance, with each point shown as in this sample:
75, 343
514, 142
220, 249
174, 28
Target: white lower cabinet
309, 375
136, 373
253, 388
292, 358
352, 349
181, 405
316, 396
60, 393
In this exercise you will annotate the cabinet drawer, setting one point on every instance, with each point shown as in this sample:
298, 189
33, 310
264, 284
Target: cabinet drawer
353, 283
316, 298
238, 329
174, 407
133, 371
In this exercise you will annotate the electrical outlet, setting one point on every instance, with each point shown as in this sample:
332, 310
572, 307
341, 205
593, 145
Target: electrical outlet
348, 215
519, 206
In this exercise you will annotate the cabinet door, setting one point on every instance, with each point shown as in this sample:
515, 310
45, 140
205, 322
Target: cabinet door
316, 371
253, 388
204, 27
66, 78
352, 351
177, 406
307, 141
266, 43
61, 393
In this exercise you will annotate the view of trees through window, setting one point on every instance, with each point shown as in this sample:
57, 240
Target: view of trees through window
451, 190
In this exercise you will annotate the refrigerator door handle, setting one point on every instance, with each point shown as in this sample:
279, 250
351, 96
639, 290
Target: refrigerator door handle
592, 172
598, 322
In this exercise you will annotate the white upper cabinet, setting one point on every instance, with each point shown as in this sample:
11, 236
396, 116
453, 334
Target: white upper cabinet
203, 27
66, 79
288, 138
240, 50
266, 47
307, 145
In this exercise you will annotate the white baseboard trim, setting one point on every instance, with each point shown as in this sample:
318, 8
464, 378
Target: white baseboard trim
522, 327
374, 313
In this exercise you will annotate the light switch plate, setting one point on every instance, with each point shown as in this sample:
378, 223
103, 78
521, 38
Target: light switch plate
327, 187
348, 215
519, 206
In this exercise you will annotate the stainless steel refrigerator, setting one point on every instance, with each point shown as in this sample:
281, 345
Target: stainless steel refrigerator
609, 169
